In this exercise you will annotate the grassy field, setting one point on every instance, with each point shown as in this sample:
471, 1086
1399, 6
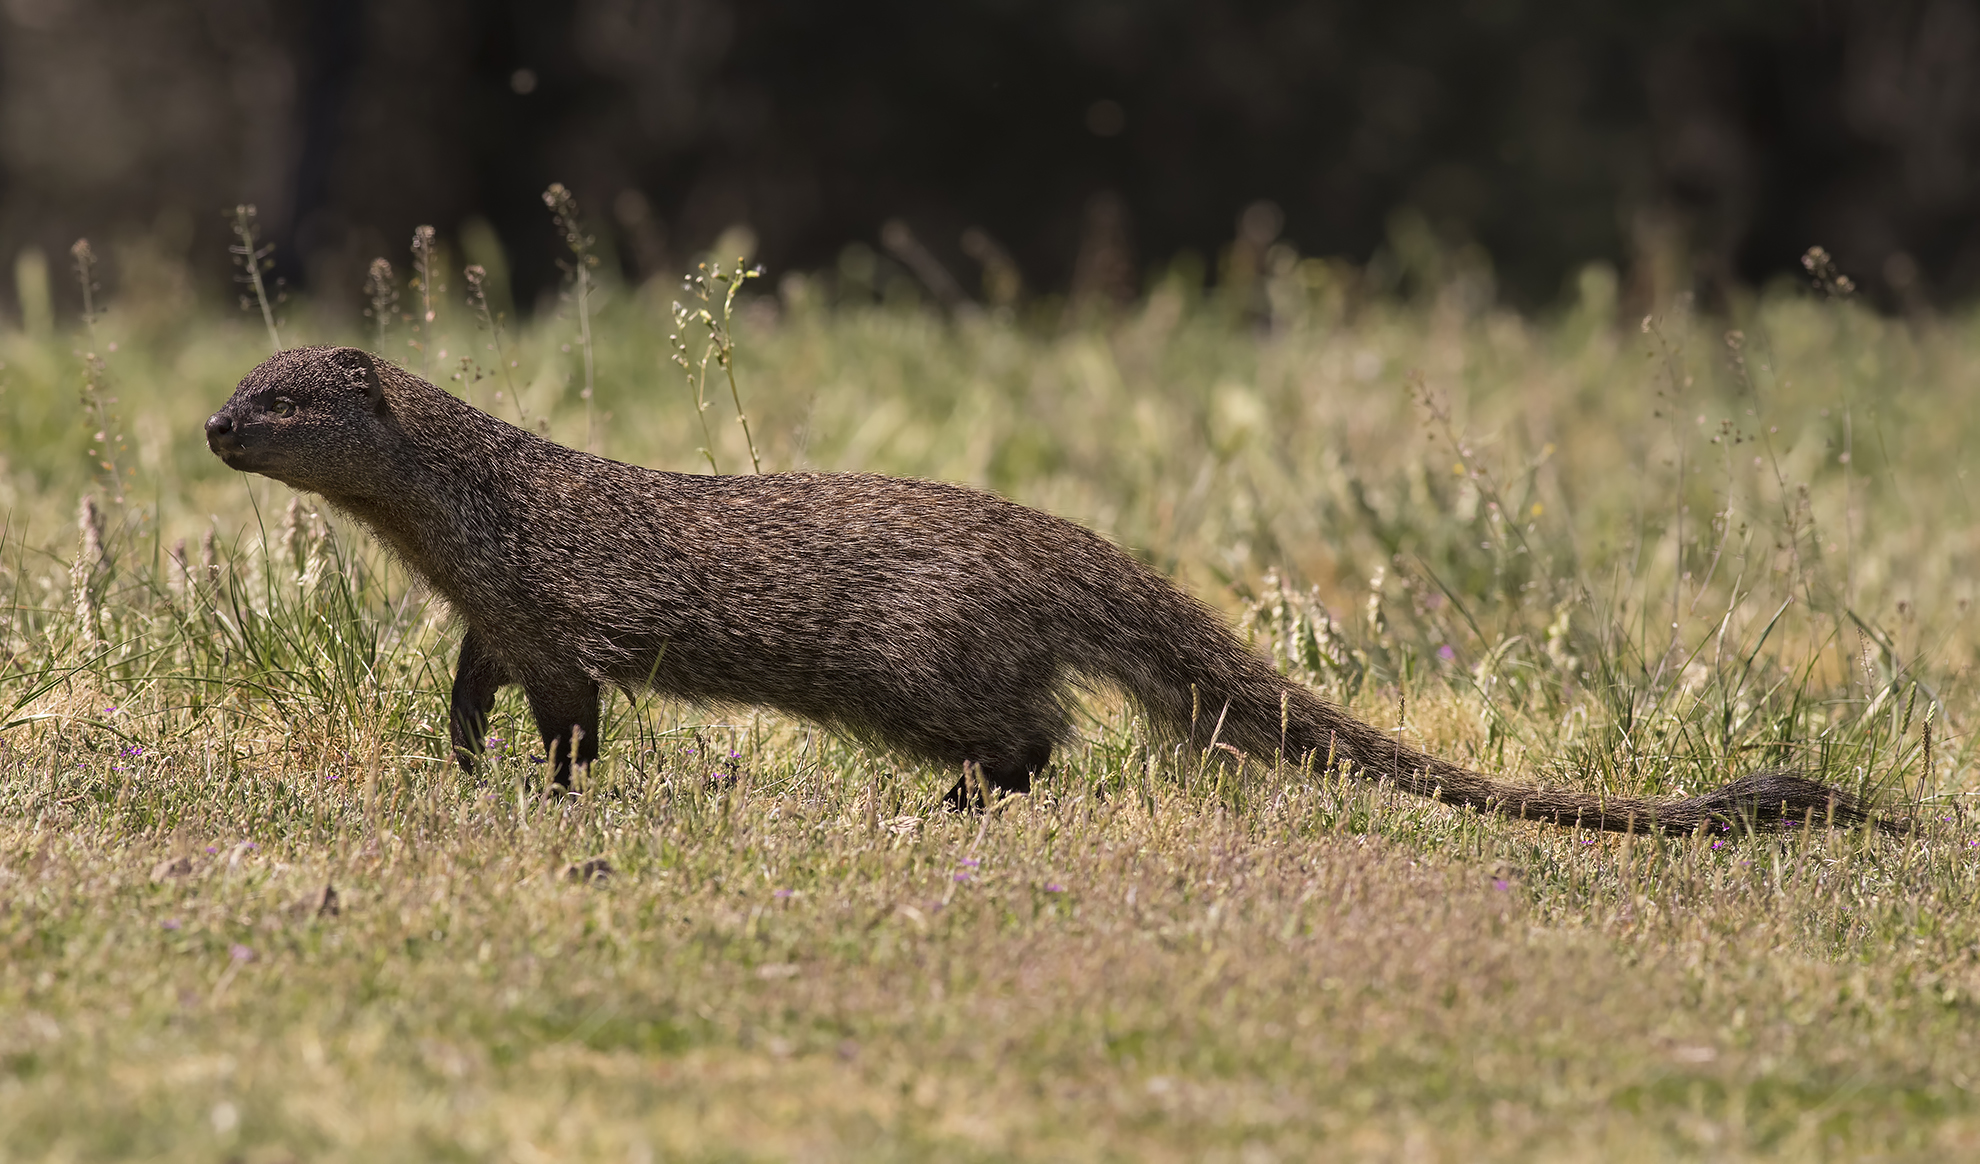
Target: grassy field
247, 911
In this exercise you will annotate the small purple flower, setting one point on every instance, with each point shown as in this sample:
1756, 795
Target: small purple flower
211, 849
1054, 887
241, 953
782, 893
971, 863
109, 711
734, 755
1446, 653
962, 878
170, 923
333, 775
1716, 844
250, 846
1499, 883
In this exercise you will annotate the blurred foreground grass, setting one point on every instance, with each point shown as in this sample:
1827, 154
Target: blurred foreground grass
247, 912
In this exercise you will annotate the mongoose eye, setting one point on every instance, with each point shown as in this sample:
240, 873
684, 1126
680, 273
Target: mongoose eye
283, 406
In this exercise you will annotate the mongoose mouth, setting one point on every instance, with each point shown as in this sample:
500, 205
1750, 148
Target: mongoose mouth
244, 460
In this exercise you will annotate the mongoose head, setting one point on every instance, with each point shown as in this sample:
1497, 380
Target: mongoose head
312, 418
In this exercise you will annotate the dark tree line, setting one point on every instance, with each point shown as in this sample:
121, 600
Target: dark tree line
1692, 143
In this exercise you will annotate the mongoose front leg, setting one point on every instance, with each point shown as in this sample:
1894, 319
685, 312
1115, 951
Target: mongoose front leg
565, 706
477, 679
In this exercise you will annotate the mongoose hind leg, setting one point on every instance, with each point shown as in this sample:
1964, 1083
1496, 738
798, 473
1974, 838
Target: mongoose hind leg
1010, 775
564, 706
477, 679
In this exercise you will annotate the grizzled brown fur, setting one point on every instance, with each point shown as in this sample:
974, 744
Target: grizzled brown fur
939, 621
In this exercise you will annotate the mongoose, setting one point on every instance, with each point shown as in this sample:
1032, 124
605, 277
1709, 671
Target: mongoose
942, 622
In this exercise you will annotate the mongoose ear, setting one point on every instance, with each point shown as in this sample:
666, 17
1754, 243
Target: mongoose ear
363, 373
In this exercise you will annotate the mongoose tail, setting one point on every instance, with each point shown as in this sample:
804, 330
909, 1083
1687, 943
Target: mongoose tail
1240, 700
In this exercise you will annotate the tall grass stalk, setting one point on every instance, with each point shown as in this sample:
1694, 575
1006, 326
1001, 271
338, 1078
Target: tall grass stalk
254, 259
427, 278
491, 322
107, 439
381, 292
581, 270
719, 346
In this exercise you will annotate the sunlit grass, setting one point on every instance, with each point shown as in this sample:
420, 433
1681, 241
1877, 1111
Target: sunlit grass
249, 910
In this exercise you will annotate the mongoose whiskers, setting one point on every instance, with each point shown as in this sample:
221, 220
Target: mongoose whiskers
939, 621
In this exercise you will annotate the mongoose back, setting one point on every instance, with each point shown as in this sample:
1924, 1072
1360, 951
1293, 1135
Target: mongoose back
939, 621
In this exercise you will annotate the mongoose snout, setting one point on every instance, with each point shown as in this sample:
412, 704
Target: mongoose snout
219, 431
945, 623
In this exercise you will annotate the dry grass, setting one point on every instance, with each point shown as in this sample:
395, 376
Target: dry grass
791, 956
767, 974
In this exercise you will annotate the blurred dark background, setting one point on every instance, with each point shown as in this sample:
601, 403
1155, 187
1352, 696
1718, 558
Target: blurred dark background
1692, 145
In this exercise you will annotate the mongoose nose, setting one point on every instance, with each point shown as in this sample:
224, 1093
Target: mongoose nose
219, 431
